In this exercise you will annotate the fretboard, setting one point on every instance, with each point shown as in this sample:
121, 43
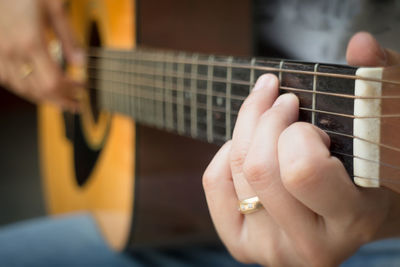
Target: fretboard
200, 95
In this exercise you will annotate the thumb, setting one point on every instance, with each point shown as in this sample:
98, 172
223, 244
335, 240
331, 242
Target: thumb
364, 50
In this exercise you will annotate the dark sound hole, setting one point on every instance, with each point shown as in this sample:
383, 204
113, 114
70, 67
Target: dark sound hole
85, 157
94, 41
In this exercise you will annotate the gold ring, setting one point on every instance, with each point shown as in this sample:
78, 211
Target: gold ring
26, 70
250, 205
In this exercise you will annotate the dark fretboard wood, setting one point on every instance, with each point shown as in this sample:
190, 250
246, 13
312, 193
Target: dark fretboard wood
200, 96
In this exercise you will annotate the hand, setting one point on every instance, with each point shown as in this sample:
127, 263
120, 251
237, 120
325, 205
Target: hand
26, 66
314, 215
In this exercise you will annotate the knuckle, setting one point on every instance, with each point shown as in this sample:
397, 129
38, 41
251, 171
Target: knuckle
238, 157
301, 174
299, 129
209, 180
256, 170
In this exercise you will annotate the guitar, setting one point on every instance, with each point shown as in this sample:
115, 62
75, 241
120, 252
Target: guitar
152, 119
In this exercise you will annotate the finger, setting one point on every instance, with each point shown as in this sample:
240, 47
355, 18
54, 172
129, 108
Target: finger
315, 178
222, 199
261, 99
364, 50
54, 85
261, 168
63, 30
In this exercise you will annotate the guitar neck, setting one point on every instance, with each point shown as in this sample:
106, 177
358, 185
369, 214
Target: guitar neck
200, 95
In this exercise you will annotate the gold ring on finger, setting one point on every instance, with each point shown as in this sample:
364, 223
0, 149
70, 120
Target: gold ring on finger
250, 205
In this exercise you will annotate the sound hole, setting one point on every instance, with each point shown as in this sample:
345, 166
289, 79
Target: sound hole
85, 157
94, 41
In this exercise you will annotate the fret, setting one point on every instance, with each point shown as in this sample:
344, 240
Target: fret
168, 95
136, 94
280, 71
139, 112
152, 103
228, 113
118, 76
219, 83
131, 80
180, 95
201, 97
300, 81
314, 94
126, 86
159, 91
251, 83
187, 98
114, 96
193, 90
209, 111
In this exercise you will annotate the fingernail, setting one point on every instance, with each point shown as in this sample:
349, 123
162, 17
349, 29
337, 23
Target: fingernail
264, 81
281, 99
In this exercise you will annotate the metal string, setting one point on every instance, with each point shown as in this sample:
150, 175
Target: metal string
239, 98
168, 57
223, 111
150, 71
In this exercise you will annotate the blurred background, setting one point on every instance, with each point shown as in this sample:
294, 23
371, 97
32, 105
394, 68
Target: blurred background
20, 188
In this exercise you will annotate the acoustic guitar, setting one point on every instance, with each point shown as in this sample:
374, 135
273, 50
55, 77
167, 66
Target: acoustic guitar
152, 118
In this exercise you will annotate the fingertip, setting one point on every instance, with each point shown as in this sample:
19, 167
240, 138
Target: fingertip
288, 98
364, 50
267, 81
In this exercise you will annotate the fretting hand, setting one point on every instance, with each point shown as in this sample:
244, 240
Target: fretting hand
313, 214
26, 66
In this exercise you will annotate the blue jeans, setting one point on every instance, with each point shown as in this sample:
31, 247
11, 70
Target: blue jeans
74, 240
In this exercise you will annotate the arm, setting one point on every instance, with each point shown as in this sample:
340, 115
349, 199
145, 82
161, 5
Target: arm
313, 214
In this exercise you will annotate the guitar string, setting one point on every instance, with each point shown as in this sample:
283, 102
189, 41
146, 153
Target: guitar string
239, 98
170, 58
235, 82
361, 158
380, 179
221, 110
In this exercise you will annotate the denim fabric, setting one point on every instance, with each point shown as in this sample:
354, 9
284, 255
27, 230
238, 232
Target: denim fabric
74, 240
385, 253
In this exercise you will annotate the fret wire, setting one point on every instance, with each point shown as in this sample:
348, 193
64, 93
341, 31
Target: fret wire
131, 79
216, 79
193, 90
210, 74
314, 99
301, 108
327, 131
160, 92
272, 69
251, 82
168, 97
153, 103
228, 99
180, 96
280, 71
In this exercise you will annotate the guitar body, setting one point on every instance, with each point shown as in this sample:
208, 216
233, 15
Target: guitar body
142, 185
